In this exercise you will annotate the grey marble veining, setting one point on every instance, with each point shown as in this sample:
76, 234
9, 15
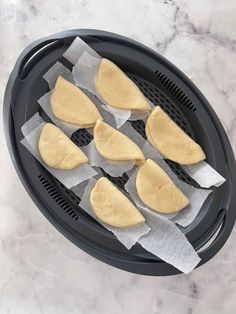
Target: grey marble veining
41, 271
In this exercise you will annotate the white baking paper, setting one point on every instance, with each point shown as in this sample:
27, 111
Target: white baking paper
76, 49
31, 131
127, 236
85, 72
121, 116
166, 241
58, 69
204, 174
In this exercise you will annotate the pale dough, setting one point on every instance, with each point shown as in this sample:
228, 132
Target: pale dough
112, 207
114, 145
117, 89
57, 150
170, 140
70, 104
157, 190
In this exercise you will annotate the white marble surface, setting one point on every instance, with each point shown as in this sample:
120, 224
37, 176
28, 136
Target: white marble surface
41, 271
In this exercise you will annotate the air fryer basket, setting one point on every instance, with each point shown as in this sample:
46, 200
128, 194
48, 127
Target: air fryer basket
164, 85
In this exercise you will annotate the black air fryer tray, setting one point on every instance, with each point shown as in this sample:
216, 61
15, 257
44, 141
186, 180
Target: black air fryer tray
164, 85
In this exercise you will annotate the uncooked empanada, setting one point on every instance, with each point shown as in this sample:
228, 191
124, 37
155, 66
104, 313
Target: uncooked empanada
57, 150
112, 207
171, 140
157, 190
114, 145
70, 104
117, 89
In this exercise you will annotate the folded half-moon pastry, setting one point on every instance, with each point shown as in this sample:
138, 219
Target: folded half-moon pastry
57, 150
117, 89
170, 140
70, 104
157, 190
114, 145
112, 207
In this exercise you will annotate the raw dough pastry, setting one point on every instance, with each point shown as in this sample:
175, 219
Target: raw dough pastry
117, 89
57, 150
114, 145
171, 140
70, 104
157, 190
112, 207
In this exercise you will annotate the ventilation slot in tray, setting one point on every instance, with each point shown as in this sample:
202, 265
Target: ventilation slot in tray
118, 181
82, 137
57, 197
182, 175
175, 91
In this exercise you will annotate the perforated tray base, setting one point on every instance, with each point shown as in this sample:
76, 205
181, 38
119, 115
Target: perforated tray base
164, 85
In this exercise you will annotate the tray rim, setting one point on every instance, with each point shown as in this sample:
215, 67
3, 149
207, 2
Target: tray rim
83, 243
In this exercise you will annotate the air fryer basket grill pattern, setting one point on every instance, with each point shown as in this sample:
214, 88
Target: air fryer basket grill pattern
163, 85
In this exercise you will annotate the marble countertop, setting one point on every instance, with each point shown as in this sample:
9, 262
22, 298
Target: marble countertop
41, 271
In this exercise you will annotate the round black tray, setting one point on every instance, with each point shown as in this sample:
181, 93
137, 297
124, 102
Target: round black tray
164, 85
